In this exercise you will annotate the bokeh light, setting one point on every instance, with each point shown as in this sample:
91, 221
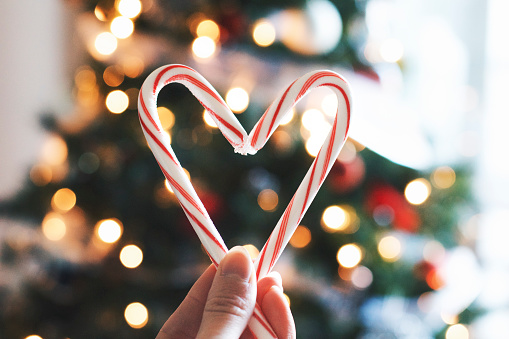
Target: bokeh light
301, 237
207, 118
268, 200
63, 200
264, 33
53, 227
389, 248
203, 47
33, 336
443, 177
361, 277
312, 119
41, 174
105, 43
457, 331
54, 151
131, 256
330, 104
252, 250
349, 255
166, 117
237, 99
129, 8
209, 29
117, 101
288, 117
391, 50
136, 315
334, 218
109, 230
113, 76
417, 191
168, 186
122, 27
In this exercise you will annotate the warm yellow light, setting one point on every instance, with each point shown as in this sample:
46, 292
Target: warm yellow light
349, 255
335, 218
129, 8
207, 118
122, 27
99, 13
166, 117
312, 119
330, 104
449, 319
288, 117
136, 315
443, 177
313, 144
391, 50
85, 79
53, 227
113, 76
252, 250
117, 101
203, 47
417, 191
109, 230
361, 277
33, 336
63, 200
457, 331
41, 175
389, 248
268, 200
133, 66
264, 33
168, 186
287, 299
131, 256
209, 29
54, 151
301, 237
105, 43
237, 99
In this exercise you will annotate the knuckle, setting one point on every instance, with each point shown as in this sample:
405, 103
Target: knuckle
234, 305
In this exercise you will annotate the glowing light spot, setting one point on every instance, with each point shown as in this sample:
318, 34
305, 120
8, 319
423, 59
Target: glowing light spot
288, 117
113, 76
434, 280
287, 299
85, 79
131, 256
264, 33
268, 200
312, 119
63, 200
391, 50
136, 315
301, 237
252, 250
361, 277
122, 27
41, 175
105, 43
443, 177
166, 117
389, 248
168, 186
53, 227
33, 336
109, 230
334, 218
117, 101
129, 8
133, 66
349, 255
237, 99
203, 47
99, 13
330, 104
449, 319
417, 191
209, 29
348, 153
433, 252
457, 331
54, 151
207, 118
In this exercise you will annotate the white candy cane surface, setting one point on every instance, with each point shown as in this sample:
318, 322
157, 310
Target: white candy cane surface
233, 131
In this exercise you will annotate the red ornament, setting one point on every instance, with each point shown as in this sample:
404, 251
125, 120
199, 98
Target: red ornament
404, 216
345, 177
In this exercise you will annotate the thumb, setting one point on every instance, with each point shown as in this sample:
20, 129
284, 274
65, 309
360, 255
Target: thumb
231, 298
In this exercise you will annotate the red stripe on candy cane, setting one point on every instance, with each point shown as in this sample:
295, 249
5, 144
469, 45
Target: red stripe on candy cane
147, 114
165, 70
157, 141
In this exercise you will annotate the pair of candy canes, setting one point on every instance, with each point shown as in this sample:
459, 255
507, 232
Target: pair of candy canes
244, 144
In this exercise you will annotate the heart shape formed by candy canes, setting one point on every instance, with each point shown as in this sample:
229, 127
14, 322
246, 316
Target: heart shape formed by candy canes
243, 143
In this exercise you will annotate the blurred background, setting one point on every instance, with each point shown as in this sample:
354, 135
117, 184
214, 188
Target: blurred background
406, 239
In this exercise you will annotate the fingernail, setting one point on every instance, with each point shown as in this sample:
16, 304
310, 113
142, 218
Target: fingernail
237, 262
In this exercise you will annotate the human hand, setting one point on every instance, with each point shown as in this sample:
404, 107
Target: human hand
221, 302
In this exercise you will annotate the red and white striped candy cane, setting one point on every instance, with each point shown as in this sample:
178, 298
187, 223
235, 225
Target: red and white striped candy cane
233, 131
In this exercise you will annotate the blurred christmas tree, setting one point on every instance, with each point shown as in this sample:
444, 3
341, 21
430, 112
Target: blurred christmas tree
101, 230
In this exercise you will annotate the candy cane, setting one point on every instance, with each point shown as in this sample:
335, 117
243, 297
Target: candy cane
233, 131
